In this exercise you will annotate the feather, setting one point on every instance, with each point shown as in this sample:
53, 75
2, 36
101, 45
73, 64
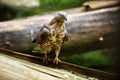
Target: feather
42, 34
66, 37
52, 35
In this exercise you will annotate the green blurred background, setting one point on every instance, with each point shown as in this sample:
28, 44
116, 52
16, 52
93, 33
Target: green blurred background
51, 5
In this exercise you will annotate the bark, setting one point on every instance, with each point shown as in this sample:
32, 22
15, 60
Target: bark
87, 31
93, 5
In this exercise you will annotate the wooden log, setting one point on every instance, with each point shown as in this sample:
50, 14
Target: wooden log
93, 5
21, 5
87, 31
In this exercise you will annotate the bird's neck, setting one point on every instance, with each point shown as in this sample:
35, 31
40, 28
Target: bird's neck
60, 23
57, 22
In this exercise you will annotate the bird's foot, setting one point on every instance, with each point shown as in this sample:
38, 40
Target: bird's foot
56, 60
45, 60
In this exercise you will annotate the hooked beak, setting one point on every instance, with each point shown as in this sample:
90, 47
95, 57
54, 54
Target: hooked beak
65, 18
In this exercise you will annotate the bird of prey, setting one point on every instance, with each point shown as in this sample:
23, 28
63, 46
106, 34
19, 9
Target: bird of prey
52, 35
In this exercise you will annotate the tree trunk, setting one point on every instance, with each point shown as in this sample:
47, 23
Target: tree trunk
87, 31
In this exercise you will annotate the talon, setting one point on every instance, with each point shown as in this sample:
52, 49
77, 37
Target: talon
45, 60
56, 60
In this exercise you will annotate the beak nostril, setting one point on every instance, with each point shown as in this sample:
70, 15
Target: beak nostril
65, 18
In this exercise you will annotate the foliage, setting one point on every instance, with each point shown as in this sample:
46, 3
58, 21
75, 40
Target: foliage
89, 59
51, 5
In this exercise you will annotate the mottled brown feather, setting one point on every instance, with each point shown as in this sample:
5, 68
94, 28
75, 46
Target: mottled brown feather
52, 35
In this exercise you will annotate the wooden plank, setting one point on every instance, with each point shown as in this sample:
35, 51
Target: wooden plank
77, 70
13, 68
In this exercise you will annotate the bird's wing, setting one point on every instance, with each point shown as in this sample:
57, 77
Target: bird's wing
41, 37
43, 33
36, 49
66, 37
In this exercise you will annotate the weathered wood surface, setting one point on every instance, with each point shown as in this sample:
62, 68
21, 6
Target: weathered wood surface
16, 69
63, 70
87, 31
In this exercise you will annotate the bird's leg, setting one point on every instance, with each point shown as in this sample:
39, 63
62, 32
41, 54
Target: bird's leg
46, 59
56, 59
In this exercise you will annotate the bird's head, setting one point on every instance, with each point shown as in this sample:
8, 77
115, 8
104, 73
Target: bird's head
61, 15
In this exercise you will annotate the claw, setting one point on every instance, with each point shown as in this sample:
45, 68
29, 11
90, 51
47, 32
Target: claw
46, 59
56, 60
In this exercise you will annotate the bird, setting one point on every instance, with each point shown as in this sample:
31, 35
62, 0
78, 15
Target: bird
52, 35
